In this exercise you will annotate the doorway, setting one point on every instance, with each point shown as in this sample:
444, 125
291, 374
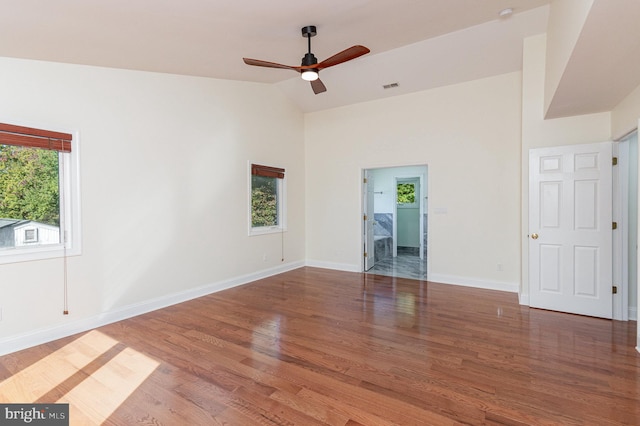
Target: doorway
395, 227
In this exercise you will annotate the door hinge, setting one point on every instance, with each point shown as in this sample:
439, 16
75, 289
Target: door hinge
614, 289
615, 161
364, 180
614, 225
364, 217
365, 254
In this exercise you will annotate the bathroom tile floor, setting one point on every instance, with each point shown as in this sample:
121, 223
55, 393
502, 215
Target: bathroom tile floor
402, 266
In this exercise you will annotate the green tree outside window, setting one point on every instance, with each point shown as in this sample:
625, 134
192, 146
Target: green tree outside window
264, 201
29, 186
406, 193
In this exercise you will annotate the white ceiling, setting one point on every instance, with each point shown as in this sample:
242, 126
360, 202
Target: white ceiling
419, 44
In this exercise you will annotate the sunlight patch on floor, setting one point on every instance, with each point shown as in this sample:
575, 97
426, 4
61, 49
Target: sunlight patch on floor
33, 382
98, 395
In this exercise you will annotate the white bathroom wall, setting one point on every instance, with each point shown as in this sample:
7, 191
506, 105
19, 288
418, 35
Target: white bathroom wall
384, 184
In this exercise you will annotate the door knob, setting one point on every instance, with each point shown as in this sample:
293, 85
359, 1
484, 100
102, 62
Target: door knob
534, 236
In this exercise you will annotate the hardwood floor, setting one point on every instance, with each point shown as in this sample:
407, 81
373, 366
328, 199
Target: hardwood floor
315, 346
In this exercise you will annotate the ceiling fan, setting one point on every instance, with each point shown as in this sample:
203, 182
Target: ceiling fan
310, 67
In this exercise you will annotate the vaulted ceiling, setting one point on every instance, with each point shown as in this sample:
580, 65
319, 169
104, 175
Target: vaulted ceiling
416, 44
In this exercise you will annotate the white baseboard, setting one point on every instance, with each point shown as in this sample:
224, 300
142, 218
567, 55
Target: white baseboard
331, 265
439, 278
472, 282
38, 337
523, 298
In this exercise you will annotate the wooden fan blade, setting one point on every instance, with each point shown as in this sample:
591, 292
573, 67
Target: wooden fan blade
344, 56
259, 63
318, 86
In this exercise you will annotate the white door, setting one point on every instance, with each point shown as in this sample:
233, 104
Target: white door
570, 229
369, 220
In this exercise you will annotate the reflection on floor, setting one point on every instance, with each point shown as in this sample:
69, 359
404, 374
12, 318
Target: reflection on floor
406, 265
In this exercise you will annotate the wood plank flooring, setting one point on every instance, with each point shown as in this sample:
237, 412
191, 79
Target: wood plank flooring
317, 347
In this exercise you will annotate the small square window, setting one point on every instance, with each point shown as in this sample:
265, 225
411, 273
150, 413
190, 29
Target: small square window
30, 235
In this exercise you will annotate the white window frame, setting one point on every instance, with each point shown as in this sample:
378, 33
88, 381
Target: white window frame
70, 224
416, 190
282, 206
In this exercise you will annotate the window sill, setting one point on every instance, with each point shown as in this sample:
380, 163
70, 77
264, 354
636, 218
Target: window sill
31, 254
266, 230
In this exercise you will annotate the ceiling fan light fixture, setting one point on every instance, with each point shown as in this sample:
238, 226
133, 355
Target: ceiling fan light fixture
309, 68
310, 75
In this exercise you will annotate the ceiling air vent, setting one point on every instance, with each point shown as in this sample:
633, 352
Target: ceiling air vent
390, 86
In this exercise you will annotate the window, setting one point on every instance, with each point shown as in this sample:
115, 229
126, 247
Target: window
39, 205
31, 235
406, 193
266, 200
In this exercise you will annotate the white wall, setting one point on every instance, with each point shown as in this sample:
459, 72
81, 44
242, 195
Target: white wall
163, 190
624, 117
468, 134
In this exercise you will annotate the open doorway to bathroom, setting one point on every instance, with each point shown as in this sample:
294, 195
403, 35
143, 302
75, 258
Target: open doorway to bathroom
395, 226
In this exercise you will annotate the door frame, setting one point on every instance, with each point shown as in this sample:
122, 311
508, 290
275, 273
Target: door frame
424, 191
368, 217
620, 253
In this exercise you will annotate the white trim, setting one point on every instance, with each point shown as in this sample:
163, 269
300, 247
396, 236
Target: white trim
523, 299
44, 335
633, 314
476, 283
332, 265
620, 246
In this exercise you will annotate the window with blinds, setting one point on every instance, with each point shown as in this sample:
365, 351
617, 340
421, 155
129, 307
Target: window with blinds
266, 199
39, 208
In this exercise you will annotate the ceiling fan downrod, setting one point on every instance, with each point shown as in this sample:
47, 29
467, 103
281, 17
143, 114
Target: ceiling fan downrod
308, 32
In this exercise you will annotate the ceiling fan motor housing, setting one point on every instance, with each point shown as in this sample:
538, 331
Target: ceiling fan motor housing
309, 59
309, 31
